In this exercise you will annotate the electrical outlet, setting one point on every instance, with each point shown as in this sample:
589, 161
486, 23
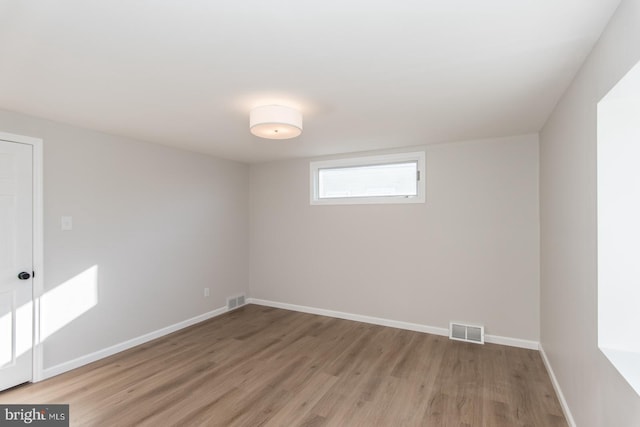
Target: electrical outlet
206, 292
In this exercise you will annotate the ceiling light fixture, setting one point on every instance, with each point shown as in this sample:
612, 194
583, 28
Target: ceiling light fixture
275, 122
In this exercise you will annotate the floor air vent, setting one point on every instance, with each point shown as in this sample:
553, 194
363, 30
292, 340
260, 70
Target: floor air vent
235, 302
468, 333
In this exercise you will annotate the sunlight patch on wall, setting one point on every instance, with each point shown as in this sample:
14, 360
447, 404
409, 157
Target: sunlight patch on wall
68, 301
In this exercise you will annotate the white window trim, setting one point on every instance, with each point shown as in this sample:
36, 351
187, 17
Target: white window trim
418, 157
617, 228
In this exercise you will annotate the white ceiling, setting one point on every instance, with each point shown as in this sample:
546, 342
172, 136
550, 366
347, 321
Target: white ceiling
367, 74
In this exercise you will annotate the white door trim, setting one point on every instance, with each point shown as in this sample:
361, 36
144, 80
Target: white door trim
38, 242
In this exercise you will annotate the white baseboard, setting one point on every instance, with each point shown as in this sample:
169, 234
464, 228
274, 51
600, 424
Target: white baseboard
348, 316
513, 342
101, 354
556, 386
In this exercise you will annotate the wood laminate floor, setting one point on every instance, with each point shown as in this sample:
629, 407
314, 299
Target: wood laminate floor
264, 366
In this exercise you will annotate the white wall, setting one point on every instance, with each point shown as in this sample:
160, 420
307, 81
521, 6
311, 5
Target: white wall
596, 394
471, 253
160, 224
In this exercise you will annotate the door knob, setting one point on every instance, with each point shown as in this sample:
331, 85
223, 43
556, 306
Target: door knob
24, 276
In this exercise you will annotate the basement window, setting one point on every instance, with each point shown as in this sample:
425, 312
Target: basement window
618, 152
391, 178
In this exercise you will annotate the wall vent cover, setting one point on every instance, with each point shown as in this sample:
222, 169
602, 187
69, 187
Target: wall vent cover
467, 333
235, 302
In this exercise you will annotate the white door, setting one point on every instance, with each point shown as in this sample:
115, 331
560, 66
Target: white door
16, 263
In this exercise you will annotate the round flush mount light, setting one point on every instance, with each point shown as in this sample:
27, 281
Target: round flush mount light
275, 122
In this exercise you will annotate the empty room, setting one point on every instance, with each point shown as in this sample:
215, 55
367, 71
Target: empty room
286, 213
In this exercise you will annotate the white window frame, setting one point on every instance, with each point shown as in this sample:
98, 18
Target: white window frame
315, 167
618, 229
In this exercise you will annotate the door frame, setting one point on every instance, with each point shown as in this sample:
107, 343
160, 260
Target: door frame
37, 244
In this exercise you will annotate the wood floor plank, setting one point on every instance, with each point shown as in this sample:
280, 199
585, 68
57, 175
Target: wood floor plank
265, 366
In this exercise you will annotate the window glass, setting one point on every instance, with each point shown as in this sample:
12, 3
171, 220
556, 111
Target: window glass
391, 178
395, 179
